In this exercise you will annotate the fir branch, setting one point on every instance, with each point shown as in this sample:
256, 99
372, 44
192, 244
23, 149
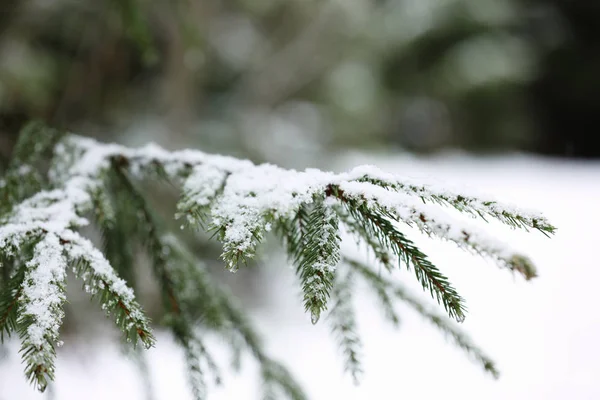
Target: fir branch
343, 324
383, 256
193, 295
475, 241
194, 351
196, 355
177, 288
13, 266
41, 309
22, 179
377, 225
200, 189
276, 376
205, 300
199, 296
240, 201
387, 305
294, 233
362, 233
146, 227
195, 372
113, 293
6, 267
473, 205
103, 208
9, 302
384, 298
441, 322
320, 256
110, 206
268, 389
211, 363
240, 232
18, 184
435, 223
185, 288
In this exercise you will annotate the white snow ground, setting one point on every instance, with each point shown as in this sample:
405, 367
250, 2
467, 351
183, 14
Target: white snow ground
543, 334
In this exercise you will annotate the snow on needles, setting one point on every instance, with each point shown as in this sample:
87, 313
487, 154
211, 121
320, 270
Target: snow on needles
458, 198
241, 200
43, 292
433, 221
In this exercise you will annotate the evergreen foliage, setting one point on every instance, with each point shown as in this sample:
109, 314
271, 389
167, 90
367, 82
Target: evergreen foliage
40, 217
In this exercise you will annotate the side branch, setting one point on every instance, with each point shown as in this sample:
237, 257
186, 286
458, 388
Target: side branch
442, 323
430, 277
506, 214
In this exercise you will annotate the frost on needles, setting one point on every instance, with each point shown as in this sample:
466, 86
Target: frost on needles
91, 182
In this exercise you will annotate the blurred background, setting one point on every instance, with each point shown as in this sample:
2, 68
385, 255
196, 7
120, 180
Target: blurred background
284, 80
501, 95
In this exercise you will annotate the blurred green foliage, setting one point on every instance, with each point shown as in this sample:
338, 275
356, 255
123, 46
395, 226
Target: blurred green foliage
286, 80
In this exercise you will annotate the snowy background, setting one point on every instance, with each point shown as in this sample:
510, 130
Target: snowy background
295, 82
543, 334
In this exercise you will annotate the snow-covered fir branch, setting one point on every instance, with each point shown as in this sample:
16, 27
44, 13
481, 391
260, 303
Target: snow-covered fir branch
343, 323
89, 181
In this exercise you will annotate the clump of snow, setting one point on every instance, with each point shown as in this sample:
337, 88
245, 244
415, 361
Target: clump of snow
43, 293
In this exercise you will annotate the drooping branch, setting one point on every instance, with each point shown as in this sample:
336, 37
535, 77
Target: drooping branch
474, 205
40, 310
101, 280
397, 290
376, 224
343, 323
435, 223
320, 256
